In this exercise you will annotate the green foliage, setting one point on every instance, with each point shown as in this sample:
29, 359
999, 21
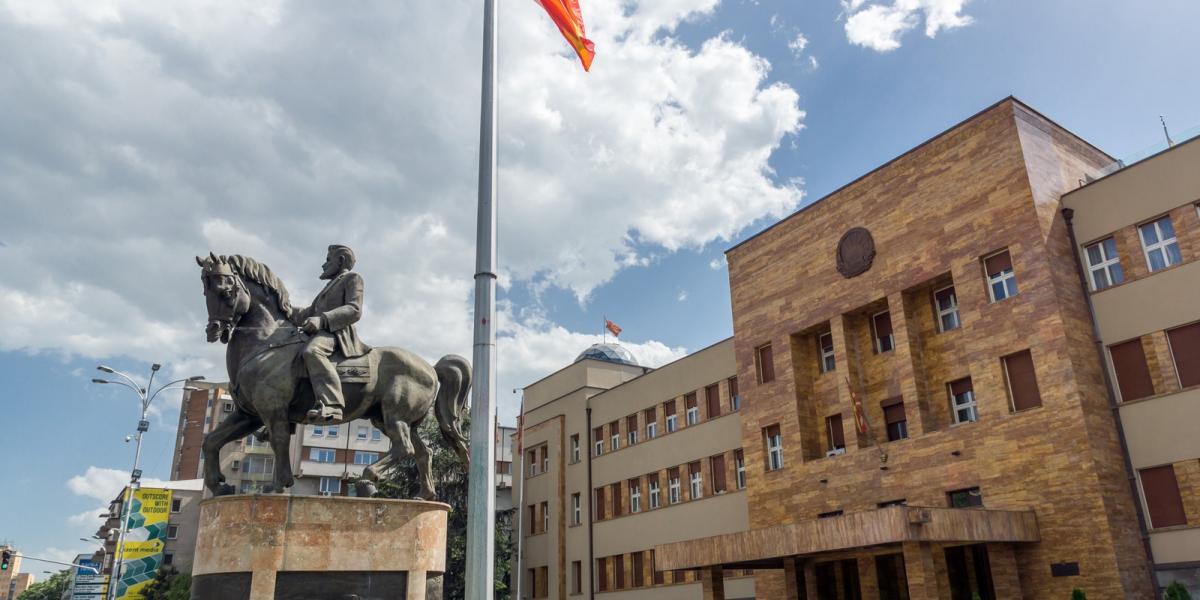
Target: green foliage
1077, 594
450, 479
50, 589
169, 584
1176, 591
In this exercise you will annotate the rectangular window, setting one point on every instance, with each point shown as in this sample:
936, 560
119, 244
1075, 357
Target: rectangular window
830, 514
965, 498
614, 435
575, 448
533, 462
545, 517
1161, 490
576, 577
1158, 242
1185, 350
1104, 266
658, 578
631, 429
318, 431
532, 583
735, 398
692, 410
168, 559
881, 323
764, 363
602, 574
653, 491
332, 431
545, 452
635, 496
1022, 382
1133, 373
176, 505
600, 504
945, 303
615, 490
825, 349
362, 432
598, 441
330, 485
576, 509
227, 407
895, 419
650, 415
368, 458
321, 455
639, 576
774, 443
695, 481
532, 509
376, 435
712, 400
672, 418
1002, 282
543, 589
172, 532
962, 401
716, 464
739, 462
673, 487
835, 438
619, 571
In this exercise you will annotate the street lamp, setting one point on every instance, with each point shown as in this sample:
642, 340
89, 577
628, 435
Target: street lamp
144, 399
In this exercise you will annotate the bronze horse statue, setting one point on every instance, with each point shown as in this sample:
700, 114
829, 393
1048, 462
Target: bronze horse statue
248, 308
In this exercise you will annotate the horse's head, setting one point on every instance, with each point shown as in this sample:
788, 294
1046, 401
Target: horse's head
225, 294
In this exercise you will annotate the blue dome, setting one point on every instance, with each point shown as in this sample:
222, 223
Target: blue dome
613, 353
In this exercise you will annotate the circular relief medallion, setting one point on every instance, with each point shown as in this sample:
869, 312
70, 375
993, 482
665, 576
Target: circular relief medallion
855, 252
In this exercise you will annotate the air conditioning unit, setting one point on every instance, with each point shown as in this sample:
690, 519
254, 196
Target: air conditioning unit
327, 494
835, 452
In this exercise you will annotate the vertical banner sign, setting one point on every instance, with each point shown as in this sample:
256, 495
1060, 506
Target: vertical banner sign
144, 541
89, 584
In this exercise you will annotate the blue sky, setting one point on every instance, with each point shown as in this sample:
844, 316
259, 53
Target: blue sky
136, 137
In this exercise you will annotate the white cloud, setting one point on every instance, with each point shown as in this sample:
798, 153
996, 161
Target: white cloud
798, 44
682, 296
101, 484
880, 26
813, 65
162, 130
717, 264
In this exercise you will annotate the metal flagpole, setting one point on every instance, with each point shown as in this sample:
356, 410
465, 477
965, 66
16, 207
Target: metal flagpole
481, 494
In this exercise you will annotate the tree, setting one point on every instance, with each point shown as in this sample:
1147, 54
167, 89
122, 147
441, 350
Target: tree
169, 584
450, 479
50, 589
1176, 591
1077, 594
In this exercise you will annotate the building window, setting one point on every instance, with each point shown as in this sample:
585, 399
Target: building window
825, 349
545, 451
576, 577
575, 448
332, 431
533, 583
945, 302
532, 462
543, 589
330, 485
835, 437
695, 481
598, 441
830, 514
172, 532
545, 517
692, 409
895, 419
672, 418
168, 559
764, 363
653, 491
261, 465
712, 400
1133, 373
370, 458
227, 407
962, 401
716, 465
376, 435
614, 435
658, 577
735, 398
1002, 282
1163, 501
965, 498
900, 502
1104, 266
362, 432
639, 577
631, 429
881, 323
739, 462
318, 431
503, 467
635, 496
176, 505
1185, 350
673, 487
619, 571
602, 574
1158, 242
1022, 382
576, 509
774, 442
651, 417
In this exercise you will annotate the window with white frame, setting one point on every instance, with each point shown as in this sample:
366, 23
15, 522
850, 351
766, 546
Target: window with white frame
575, 448
261, 465
532, 462
321, 455
365, 458
176, 505
881, 323
672, 422
962, 401
614, 441
651, 430
1158, 242
545, 516
1104, 266
673, 486
635, 496
330, 485
825, 342
172, 532
774, 440
739, 462
318, 430
654, 493
362, 432
631, 436
376, 435
332, 431
692, 413
576, 509
1002, 281
227, 407
695, 481
945, 302
598, 445
545, 459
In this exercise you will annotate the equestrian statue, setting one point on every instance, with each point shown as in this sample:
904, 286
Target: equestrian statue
292, 366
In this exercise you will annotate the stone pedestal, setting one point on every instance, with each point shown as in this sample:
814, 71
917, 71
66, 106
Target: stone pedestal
263, 547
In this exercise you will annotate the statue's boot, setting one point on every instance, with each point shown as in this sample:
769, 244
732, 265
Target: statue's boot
328, 390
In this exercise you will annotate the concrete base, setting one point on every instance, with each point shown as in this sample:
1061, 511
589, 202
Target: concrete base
261, 547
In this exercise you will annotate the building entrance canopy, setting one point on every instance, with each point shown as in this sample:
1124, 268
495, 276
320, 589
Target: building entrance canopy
769, 546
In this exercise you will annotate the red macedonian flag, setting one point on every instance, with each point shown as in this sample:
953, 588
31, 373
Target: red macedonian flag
566, 14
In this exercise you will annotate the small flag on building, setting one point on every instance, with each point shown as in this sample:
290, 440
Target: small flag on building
609, 325
567, 16
860, 416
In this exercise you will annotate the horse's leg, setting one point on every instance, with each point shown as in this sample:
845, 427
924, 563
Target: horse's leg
366, 485
400, 436
281, 439
424, 462
233, 427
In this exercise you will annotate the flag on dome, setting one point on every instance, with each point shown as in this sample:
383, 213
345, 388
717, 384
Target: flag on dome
613, 327
567, 16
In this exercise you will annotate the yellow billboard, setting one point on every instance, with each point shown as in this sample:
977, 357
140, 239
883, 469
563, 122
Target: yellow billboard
145, 538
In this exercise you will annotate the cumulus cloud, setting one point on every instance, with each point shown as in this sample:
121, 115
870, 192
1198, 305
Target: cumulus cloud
137, 134
880, 26
100, 484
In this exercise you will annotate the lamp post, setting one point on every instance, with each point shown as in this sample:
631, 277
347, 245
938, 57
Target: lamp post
144, 399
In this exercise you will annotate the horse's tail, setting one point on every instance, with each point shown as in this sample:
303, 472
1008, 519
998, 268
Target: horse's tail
454, 379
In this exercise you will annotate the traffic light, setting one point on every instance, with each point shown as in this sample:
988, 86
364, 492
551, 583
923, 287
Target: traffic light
4, 559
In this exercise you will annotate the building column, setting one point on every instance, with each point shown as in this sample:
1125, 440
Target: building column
262, 584
868, 579
919, 567
810, 579
791, 583
908, 363
712, 581
1002, 559
416, 586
